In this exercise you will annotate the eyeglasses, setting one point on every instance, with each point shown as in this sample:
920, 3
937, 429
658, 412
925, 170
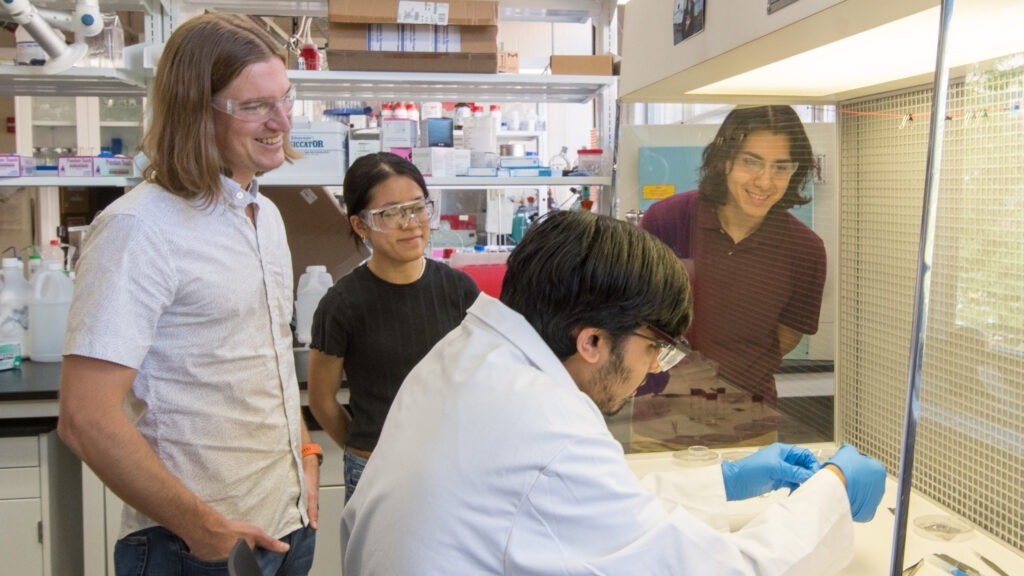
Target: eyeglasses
398, 216
256, 109
777, 170
672, 349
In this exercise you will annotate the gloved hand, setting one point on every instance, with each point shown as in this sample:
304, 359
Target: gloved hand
865, 481
770, 468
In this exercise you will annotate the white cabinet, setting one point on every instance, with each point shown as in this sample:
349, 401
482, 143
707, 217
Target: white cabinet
21, 544
38, 532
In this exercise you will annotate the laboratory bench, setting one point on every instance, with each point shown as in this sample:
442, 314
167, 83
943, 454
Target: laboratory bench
873, 540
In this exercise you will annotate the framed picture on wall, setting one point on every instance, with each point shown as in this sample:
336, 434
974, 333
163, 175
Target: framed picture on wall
687, 19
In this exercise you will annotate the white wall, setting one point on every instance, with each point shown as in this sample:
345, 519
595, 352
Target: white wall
738, 36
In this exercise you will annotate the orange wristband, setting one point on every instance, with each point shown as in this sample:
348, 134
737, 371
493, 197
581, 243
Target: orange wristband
312, 449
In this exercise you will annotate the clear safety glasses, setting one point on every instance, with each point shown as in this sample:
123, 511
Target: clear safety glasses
672, 349
256, 109
776, 170
398, 216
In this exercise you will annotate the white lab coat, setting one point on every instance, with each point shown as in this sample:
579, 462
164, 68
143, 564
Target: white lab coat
492, 461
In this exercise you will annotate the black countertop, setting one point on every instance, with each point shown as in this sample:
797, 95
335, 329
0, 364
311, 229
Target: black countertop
33, 381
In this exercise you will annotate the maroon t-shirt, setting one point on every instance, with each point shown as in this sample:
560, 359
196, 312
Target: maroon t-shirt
743, 291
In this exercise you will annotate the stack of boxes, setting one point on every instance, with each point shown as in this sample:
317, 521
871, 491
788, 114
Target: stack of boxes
458, 36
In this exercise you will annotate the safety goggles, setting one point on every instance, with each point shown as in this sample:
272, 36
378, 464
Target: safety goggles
672, 350
398, 216
256, 109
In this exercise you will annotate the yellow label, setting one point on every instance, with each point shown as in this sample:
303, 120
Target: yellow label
658, 191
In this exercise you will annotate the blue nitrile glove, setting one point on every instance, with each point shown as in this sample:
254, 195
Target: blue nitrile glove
770, 468
865, 481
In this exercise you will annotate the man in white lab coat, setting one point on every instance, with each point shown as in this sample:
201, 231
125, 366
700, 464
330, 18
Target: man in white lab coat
495, 459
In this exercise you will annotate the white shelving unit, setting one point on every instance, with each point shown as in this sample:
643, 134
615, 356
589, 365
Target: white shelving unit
56, 181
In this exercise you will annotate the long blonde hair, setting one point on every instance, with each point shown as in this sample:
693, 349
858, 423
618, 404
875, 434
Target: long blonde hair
201, 58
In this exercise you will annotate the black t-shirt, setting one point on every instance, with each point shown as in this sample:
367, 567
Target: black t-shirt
382, 330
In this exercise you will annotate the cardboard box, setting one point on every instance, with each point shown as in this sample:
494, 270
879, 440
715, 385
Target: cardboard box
398, 133
404, 38
454, 63
14, 166
463, 12
436, 162
508, 62
323, 148
437, 132
113, 166
361, 144
461, 158
596, 65
74, 166
318, 230
356, 44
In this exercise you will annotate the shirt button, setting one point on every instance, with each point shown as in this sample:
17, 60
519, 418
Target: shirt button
239, 195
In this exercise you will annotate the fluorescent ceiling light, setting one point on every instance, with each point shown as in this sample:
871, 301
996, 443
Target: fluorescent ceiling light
900, 49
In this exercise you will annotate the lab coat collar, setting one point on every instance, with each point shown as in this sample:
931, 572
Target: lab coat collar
513, 327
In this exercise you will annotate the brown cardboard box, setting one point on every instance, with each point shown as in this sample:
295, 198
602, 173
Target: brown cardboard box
596, 65
353, 37
462, 12
508, 62
318, 230
452, 62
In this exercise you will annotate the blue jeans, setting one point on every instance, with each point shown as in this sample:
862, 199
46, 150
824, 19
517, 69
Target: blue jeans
157, 551
354, 465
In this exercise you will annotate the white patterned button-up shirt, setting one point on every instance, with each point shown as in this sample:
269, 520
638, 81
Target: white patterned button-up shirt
199, 301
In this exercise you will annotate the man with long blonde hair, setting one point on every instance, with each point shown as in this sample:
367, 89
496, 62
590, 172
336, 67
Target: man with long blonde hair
178, 385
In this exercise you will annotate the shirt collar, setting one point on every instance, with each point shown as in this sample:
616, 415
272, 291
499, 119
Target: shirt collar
773, 221
236, 195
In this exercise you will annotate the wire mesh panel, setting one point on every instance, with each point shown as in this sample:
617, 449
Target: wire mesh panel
970, 439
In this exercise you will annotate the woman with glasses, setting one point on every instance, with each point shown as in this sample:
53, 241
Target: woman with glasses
758, 271
378, 321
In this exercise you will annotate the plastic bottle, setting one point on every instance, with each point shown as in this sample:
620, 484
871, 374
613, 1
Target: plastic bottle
400, 111
309, 54
412, 111
313, 284
531, 121
387, 110
14, 306
35, 262
48, 307
496, 115
520, 223
559, 163
53, 251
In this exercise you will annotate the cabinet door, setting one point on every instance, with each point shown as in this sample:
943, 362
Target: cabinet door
20, 548
327, 561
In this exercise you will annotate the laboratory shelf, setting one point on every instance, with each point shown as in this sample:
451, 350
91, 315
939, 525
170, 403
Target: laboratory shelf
458, 181
31, 81
425, 86
518, 182
49, 181
149, 6
574, 11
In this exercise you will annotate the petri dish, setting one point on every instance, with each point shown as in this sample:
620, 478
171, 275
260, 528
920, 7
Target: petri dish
942, 528
696, 456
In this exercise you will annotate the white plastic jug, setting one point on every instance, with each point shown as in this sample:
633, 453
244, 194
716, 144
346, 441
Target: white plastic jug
48, 313
313, 284
14, 305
